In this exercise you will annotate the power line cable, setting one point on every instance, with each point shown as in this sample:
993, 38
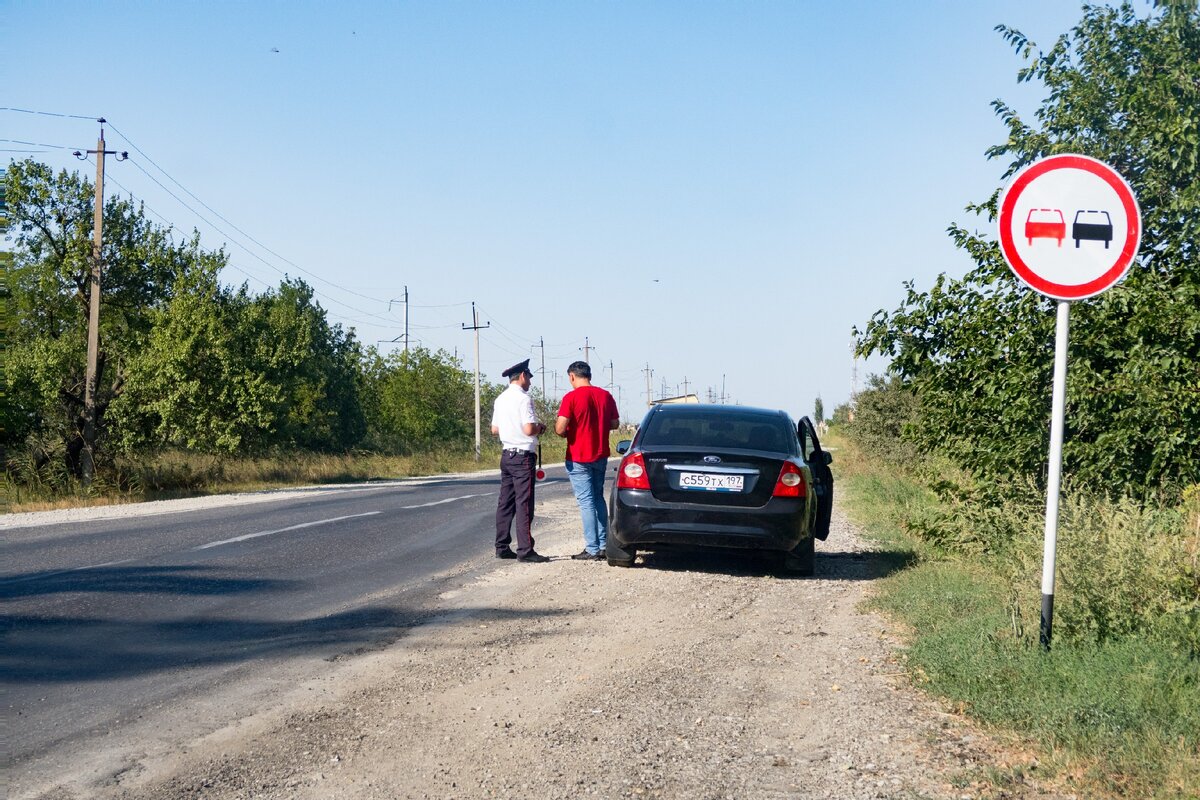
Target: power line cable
501, 330
235, 267
230, 224
36, 144
130, 142
172, 226
49, 113
251, 253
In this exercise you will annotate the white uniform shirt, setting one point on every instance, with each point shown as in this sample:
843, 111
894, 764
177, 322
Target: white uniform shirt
514, 408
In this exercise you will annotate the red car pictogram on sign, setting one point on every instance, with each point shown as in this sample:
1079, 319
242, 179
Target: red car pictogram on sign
1045, 223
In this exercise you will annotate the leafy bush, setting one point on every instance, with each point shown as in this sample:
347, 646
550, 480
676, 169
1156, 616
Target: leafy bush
884, 416
977, 351
1115, 704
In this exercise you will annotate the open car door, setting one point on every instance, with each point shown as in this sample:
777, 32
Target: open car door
818, 461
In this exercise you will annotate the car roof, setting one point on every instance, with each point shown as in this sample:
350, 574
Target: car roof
714, 410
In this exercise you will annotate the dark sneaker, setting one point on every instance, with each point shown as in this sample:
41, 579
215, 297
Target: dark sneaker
533, 558
505, 554
586, 556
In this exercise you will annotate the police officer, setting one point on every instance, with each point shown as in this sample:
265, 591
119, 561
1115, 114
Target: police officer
514, 421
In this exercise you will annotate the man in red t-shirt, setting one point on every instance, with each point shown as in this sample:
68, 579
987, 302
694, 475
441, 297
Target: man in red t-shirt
585, 417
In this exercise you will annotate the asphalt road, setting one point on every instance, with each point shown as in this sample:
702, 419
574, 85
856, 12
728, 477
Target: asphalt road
105, 621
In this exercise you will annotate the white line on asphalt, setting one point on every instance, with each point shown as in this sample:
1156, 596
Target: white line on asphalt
244, 538
447, 500
282, 530
43, 575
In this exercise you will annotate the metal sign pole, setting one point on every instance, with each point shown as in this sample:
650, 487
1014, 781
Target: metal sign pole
1054, 478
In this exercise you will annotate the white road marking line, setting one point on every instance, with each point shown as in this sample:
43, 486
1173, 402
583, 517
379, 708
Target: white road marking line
43, 575
282, 530
247, 536
105, 564
447, 500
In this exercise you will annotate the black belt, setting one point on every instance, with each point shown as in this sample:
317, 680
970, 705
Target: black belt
513, 451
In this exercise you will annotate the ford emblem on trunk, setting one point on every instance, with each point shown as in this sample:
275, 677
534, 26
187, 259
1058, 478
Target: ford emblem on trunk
712, 459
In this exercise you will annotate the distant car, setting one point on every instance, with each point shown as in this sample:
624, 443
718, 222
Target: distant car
725, 477
1045, 223
1094, 226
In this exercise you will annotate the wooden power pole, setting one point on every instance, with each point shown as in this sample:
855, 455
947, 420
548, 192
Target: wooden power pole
475, 326
87, 461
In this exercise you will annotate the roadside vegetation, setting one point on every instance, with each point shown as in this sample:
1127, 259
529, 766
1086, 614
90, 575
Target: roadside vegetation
1114, 707
201, 387
945, 456
173, 473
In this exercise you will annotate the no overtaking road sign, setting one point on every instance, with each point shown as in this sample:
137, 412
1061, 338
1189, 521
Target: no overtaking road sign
1069, 226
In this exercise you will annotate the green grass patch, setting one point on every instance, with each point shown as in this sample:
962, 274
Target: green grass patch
1114, 706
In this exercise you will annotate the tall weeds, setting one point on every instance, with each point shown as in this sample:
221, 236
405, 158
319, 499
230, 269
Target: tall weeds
1114, 706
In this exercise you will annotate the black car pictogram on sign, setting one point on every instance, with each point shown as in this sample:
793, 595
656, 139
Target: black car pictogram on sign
1094, 226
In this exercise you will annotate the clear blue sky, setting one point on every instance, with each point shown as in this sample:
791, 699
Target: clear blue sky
719, 190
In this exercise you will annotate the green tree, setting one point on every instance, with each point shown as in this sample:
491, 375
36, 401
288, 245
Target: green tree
310, 367
819, 410
420, 398
977, 351
226, 371
884, 413
50, 289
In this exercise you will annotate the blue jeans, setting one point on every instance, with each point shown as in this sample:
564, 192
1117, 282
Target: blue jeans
587, 481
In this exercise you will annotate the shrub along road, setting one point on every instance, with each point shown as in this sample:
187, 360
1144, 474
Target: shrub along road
687, 676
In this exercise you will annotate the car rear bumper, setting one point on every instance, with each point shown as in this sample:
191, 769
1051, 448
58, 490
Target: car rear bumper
639, 520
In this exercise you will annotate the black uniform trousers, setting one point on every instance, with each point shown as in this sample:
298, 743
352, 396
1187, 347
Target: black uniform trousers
517, 470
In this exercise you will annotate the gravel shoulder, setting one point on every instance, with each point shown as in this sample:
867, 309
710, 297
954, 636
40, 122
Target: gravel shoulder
684, 677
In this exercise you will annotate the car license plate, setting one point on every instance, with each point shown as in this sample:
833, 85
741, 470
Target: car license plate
710, 482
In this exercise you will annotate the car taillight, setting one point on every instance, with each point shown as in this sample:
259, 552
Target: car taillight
790, 483
632, 473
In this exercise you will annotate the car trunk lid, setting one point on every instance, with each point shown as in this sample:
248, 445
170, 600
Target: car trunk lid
690, 475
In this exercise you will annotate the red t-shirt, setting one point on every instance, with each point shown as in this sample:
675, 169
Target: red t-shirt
591, 411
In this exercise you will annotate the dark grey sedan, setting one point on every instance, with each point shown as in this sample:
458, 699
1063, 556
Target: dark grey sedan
716, 476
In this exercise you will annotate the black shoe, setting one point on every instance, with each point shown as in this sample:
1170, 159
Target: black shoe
602, 555
533, 558
505, 554
586, 556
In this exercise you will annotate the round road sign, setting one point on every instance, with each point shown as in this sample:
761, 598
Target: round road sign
1069, 226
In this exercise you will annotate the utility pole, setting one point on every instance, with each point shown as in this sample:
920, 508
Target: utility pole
853, 379
542, 344
475, 326
853, 371
87, 461
586, 349
649, 374
405, 301
724, 397
612, 376
685, 385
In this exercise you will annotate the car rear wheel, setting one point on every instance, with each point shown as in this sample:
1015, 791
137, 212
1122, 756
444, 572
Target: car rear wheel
617, 555
800, 560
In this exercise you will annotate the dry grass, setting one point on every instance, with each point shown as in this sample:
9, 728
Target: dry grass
173, 474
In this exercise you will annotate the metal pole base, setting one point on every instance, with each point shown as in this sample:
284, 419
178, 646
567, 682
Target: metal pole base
1047, 620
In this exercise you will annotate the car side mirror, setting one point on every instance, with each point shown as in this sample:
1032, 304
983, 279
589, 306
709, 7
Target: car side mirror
623, 446
827, 457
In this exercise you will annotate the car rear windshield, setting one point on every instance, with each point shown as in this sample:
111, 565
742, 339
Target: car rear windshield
696, 429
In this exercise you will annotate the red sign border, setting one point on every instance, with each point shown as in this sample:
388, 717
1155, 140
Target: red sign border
1133, 234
